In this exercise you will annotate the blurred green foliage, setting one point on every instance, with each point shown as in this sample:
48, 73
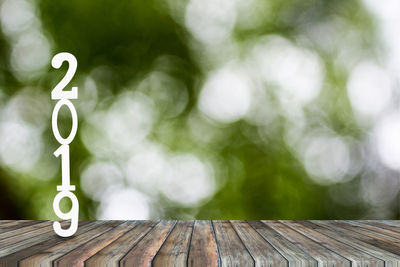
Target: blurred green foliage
257, 171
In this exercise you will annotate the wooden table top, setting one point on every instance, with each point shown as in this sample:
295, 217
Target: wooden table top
203, 243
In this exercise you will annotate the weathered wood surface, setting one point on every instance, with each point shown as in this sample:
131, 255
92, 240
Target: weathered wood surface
202, 243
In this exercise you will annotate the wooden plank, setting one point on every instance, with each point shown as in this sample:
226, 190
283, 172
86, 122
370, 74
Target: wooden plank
29, 239
231, 250
324, 256
114, 252
383, 226
395, 223
22, 230
144, 252
294, 255
11, 223
44, 227
353, 239
379, 240
356, 256
175, 250
10, 226
15, 243
37, 250
45, 257
261, 251
374, 229
203, 247
77, 256
202, 243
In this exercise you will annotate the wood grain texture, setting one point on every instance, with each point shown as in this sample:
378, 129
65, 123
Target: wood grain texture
261, 251
391, 222
203, 248
61, 246
174, 251
382, 225
388, 243
36, 248
13, 258
22, 241
77, 256
144, 252
23, 229
355, 240
374, 229
232, 252
202, 243
113, 253
6, 226
355, 256
324, 256
295, 255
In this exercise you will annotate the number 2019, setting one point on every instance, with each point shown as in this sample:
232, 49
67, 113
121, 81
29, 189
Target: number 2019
63, 97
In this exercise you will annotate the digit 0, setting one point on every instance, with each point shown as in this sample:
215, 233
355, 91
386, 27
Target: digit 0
54, 122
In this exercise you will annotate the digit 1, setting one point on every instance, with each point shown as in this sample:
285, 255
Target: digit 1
63, 150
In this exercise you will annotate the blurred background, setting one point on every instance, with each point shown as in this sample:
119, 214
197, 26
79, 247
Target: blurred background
255, 109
